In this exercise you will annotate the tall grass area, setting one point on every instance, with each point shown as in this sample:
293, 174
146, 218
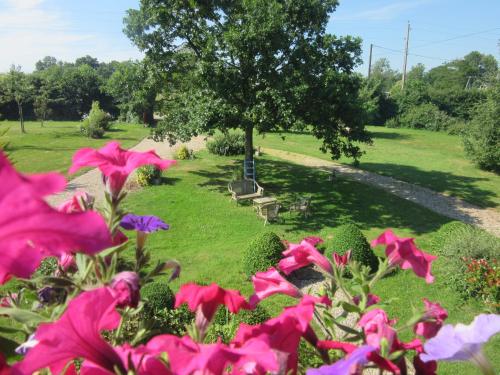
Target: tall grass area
51, 147
209, 232
426, 158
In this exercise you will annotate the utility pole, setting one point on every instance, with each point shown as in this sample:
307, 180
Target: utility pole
406, 55
370, 61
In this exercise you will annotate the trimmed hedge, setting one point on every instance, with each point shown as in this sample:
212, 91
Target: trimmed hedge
157, 296
348, 237
263, 252
159, 314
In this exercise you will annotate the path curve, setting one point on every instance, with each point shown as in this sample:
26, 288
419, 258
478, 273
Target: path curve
91, 181
455, 208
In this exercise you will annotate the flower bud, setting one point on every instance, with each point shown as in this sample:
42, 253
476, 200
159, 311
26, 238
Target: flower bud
125, 288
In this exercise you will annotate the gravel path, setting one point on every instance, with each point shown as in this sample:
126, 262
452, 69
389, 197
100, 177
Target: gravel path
455, 208
91, 181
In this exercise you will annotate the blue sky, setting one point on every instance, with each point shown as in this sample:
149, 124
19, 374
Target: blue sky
67, 29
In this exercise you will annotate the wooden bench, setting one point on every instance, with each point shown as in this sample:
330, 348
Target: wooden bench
245, 189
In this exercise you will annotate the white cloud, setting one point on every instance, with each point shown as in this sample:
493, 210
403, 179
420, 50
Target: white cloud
383, 13
29, 31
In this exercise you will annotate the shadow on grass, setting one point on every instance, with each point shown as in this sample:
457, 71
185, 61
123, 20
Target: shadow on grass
333, 203
460, 186
386, 135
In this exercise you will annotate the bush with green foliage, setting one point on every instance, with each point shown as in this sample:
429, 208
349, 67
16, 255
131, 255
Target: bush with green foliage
482, 136
225, 323
227, 144
445, 233
159, 313
348, 237
423, 116
148, 175
183, 153
96, 123
461, 249
157, 296
263, 252
47, 266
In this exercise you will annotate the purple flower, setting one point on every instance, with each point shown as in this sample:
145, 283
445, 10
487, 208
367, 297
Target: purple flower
146, 224
462, 342
345, 366
26, 346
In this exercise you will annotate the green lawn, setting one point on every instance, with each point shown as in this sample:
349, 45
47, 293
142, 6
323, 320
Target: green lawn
50, 148
209, 232
431, 159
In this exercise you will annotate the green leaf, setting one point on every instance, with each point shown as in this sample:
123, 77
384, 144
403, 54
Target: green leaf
112, 250
10, 329
22, 316
350, 308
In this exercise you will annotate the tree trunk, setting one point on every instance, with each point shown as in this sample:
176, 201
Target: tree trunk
21, 117
249, 142
148, 117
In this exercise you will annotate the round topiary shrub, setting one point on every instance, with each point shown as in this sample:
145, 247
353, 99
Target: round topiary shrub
446, 232
148, 175
348, 237
263, 252
157, 296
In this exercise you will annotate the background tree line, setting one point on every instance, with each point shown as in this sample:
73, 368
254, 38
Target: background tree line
461, 97
59, 90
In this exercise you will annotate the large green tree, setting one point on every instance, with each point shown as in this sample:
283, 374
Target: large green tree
134, 88
252, 64
16, 86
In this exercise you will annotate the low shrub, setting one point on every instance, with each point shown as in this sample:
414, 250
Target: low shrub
263, 252
348, 237
47, 266
96, 123
183, 153
423, 116
226, 323
148, 175
445, 233
158, 296
227, 144
471, 257
482, 136
159, 314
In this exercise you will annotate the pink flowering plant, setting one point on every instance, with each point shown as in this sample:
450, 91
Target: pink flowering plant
74, 319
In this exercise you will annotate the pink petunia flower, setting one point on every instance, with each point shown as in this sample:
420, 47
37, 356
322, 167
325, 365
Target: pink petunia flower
404, 253
269, 283
284, 332
116, 164
341, 260
376, 327
40, 185
301, 255
372, 299
125, 288
31, 230
67, 262
79, 202
204, 300
76, 335
432, 321
189, 357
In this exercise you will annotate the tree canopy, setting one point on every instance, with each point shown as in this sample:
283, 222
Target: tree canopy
254, 64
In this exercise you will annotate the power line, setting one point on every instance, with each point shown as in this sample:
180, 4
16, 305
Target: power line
457, 37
